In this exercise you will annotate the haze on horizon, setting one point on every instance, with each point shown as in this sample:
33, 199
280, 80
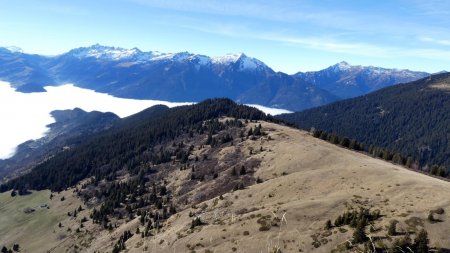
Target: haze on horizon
287, 35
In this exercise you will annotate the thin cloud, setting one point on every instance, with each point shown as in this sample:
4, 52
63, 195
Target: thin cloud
303, 13
435, 41
328, 44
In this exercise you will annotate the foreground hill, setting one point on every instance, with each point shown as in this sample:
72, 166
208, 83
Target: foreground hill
186, 77
219, 177
291, 185
412, 119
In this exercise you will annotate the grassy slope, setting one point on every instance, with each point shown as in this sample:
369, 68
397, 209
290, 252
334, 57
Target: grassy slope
36, 231
321, 181
308, 180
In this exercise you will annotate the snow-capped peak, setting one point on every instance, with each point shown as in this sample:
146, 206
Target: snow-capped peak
245, 62
227, 59
248, 63
110, 53
14, 49
343, 65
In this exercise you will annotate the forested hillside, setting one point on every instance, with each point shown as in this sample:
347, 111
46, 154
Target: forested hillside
132, 143
412, 119
219, 177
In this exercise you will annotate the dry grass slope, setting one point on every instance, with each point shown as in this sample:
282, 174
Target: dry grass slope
306, 181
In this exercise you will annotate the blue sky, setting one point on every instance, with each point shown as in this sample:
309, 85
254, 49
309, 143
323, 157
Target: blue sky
289, 36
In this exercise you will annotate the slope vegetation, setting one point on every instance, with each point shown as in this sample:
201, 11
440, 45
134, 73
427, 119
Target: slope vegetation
292, 185
412, 119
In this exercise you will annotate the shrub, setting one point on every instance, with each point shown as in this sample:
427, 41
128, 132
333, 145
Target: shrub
392, 228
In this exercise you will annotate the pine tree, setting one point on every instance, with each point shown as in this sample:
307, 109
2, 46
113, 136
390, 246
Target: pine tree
338, 221
243, 171
430, 217
257, 131
409, 162
392, 228
116, 249
328, 225
359, 236
209, 140
345, 142
196, 222
397, 158
259, 180
334, 139
354, 222
421, 242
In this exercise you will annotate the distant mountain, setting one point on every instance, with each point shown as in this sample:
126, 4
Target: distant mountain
412, 119
70, 128
347, 81
185, 77
28, 73
181, 77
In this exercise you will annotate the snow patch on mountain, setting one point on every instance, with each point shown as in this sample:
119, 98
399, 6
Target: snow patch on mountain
227, 59
172, 57
14, 49
342, 66
113, 53
184, 57
371, 70
248, 63
245, 62
203, 60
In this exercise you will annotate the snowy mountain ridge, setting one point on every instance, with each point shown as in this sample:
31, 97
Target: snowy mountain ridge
100, 52
184, 76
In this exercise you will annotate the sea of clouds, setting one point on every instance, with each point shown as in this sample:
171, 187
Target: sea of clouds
25, 116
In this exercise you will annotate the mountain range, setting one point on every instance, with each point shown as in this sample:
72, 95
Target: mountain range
186, 77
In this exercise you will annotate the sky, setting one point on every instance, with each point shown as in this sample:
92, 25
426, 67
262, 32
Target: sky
288, 35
